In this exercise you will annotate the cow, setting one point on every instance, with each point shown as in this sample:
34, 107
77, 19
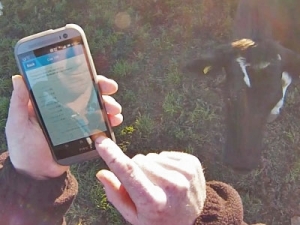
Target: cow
258, 74
259, 67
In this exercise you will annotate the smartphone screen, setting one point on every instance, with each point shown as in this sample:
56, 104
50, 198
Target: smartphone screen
63, 89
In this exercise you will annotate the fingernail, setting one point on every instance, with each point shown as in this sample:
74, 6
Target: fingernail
103, 141
104, 145
98, 175
99, 140
15, 82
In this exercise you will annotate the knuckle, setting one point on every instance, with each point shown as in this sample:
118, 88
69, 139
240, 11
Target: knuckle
192, 167
178, 185
130, 168
152, 202
195, 161
184, 186
151, 154
158, 204
137, 158
191, 173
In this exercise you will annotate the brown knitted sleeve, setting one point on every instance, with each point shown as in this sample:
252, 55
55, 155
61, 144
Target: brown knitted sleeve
26, 201
223, 206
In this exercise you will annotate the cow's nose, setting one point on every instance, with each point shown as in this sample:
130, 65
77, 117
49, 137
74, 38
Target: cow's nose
240, 161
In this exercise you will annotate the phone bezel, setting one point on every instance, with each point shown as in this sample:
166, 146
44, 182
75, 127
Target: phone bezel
45, 39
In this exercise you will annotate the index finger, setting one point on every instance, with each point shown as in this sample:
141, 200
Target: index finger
138, 186
107, 86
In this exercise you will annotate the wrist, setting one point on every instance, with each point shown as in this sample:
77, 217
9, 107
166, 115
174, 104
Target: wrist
50, 174
30, 174
39, 172
53, 192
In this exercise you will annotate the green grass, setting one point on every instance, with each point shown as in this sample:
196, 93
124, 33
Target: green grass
144, 125
256, 206
172, 104
122, 68
4, 103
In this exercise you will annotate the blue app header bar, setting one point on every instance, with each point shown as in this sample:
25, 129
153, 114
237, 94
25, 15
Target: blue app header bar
52, 57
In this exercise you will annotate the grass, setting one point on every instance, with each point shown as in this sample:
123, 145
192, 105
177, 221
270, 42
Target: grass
144, 125
256, 209
4, 103
122, 67
172, 104
166, 109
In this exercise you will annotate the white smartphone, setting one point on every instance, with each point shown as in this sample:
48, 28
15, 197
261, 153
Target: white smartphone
59, 72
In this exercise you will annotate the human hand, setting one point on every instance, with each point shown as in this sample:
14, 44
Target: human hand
167, 188
28, 149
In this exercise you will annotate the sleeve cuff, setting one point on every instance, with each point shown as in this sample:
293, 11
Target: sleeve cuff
223, 205
55, 192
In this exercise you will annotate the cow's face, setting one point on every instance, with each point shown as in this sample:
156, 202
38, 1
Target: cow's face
257, 78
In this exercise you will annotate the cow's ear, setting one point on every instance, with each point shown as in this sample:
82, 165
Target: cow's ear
212, 61
201, 66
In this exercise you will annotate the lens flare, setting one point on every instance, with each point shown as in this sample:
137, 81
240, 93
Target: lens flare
122, 20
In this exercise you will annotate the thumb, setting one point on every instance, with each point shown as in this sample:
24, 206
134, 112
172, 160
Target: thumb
117, 195
18, 109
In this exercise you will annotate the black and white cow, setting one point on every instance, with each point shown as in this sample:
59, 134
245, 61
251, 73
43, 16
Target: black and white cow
258, 72
257, 77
